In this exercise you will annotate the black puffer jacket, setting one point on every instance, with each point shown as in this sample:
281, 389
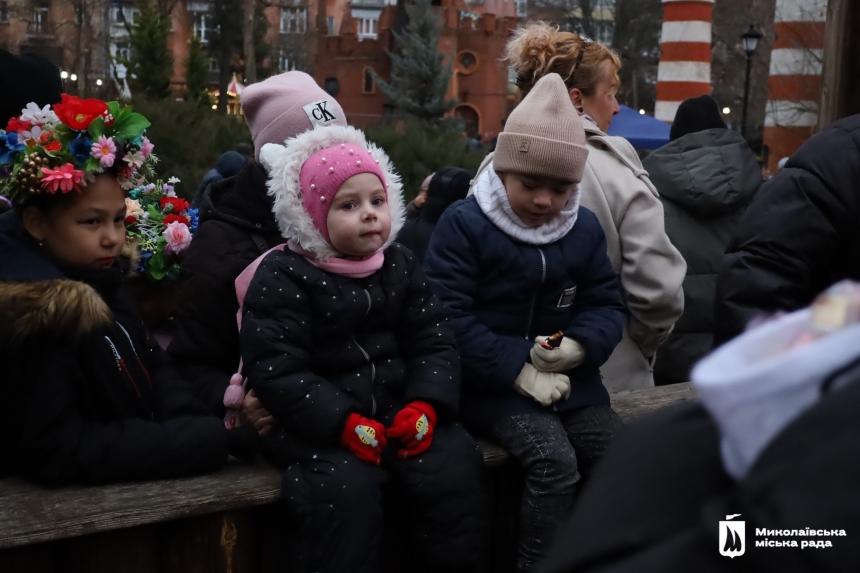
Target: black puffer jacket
706, 181
657, 500
317, 346
800, 235
236, 227
91, 398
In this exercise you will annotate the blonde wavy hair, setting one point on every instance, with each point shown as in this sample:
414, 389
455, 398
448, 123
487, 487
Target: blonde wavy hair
540, 49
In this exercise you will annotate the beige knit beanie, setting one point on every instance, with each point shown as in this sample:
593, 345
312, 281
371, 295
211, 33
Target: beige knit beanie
543, 136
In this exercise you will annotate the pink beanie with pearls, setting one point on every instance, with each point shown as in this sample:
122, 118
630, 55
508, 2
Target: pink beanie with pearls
323, 174
286, 105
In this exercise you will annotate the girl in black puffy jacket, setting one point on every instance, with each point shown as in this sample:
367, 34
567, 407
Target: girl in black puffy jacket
91, 396
347, 348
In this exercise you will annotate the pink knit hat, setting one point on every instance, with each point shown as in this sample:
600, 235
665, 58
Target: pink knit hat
323, 174
286, 105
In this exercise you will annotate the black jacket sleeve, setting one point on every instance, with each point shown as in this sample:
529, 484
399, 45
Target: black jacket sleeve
277, 337
799, 235
58, 446
205, 346
427, 344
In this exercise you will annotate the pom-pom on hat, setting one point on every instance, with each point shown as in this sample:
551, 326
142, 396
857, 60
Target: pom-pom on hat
286, 105
543, 136
323, 174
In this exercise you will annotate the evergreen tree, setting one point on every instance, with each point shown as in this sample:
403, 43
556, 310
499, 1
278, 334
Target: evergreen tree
196, 66
150, 64
419, 76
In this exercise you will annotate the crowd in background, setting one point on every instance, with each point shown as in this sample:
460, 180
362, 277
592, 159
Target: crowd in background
374, 338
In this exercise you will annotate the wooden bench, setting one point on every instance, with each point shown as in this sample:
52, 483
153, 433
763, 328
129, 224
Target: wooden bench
208, 523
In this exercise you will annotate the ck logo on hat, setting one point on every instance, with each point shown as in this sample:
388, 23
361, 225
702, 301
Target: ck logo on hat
732, 537
524, 146
320, 113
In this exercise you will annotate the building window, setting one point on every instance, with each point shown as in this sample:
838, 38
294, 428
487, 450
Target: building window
368, 86
294, 20
367, 28
329, 21
4, 12
522, 8
285, 64
203, 24
120, 15
39, 25
120, 52
466, 63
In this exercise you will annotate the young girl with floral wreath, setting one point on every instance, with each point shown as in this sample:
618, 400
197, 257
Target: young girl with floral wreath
347, 348
94, 398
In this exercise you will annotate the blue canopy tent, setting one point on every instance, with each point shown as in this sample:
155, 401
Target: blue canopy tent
642, 131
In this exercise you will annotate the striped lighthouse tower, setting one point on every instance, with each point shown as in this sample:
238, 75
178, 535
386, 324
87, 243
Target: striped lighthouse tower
685, 55
794, 84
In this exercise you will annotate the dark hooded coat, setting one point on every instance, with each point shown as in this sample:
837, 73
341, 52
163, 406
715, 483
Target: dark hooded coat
706, 181
236, 227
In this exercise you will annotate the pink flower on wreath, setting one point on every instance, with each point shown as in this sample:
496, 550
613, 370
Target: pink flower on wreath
146, 148
104, 150
178, 238
63, 178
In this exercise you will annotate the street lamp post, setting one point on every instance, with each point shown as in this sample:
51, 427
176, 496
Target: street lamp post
750, 39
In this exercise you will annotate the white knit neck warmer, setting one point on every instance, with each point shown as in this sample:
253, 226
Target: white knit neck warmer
493, 201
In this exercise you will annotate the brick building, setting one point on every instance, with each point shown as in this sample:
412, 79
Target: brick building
339, 41
474, 34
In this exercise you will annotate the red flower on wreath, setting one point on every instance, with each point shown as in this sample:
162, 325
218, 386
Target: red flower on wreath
53, 147
176, 219
16, 125
130, 219
176, 203
78, 113
46, 136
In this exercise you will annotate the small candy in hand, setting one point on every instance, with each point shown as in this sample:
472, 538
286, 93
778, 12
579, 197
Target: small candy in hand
553, 341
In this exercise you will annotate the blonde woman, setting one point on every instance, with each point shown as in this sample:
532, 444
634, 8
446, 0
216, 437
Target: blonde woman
617, 189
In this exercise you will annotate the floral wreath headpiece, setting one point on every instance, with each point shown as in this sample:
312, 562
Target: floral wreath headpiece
62, 147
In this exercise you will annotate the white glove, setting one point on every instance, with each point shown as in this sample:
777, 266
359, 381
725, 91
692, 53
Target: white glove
562, 359
544, 387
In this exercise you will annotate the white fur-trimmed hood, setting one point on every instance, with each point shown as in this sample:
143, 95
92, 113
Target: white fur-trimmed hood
284, 165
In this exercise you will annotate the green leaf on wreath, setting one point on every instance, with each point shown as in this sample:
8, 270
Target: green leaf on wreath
97, 128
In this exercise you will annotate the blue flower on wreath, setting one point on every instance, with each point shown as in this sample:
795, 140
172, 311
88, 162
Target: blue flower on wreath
9, 146
144, 258
81, 147
193, 218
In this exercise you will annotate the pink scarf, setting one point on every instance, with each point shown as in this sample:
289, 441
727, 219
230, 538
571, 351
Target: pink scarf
346, 267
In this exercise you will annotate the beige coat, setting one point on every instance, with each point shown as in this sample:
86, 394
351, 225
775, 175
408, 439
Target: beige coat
650, 269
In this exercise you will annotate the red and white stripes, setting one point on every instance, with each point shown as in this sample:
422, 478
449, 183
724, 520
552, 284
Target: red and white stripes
685, 55
794, 84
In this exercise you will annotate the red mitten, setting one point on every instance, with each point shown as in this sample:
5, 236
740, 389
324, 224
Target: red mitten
413, 427
364, 437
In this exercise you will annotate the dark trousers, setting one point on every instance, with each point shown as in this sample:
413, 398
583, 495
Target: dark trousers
553, 449
335, 501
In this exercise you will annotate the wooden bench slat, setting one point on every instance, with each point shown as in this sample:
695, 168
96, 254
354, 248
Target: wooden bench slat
30, 514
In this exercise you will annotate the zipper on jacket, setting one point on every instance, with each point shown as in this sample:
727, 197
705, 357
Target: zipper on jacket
136, 355
534, 296
120, 364
367, 358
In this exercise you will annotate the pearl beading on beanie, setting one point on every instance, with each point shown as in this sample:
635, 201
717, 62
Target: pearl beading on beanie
323, 173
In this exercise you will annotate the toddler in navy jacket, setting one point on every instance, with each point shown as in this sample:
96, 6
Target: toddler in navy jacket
515, 263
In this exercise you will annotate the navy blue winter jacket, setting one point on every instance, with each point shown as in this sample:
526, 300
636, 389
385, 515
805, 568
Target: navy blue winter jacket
502, 293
